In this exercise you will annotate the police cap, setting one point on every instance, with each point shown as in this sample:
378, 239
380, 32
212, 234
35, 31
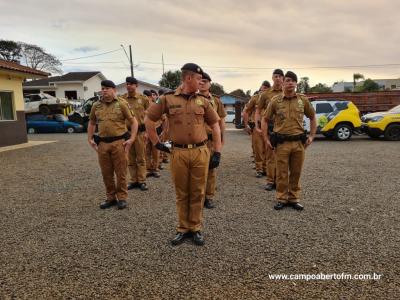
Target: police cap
291, 75
108, 83
192, 67
131, 80
278, 72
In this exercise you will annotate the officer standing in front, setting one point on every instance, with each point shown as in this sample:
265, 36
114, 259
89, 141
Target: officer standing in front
289, 139
265, 98
113, 142
137, 154
217, 105
187, 113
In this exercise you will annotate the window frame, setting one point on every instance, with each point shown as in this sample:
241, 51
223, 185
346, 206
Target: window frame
13, 107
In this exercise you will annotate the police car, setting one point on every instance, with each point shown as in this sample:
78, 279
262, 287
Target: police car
336, 118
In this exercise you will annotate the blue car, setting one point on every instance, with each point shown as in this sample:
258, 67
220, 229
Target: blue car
51, 124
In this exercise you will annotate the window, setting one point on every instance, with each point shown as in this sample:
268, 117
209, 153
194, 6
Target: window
71, 95
341, 105
323, 108
393, 86
6, 106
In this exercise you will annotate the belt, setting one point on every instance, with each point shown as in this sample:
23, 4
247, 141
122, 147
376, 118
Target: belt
209, 136
141, 128
189, 146
110, 139
290, 137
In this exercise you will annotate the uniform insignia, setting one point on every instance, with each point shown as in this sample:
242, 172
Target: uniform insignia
158, 101
199, 102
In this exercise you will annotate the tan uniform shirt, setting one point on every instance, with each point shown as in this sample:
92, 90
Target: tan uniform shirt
265, 98
138, 105
187, 116
288, 113
217, 105
250, 108
110, 117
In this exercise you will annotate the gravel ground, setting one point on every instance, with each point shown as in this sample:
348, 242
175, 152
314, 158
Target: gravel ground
57, 243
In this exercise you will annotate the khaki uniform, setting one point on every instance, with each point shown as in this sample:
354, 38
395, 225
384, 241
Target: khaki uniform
187, 116
270, 159
111, 119
138, 105
217, 105
256, 138
152, 153
288, 114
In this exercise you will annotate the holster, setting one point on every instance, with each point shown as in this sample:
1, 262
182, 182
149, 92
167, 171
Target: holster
96, 139
252, 125
141, 128
159, 130
273, 139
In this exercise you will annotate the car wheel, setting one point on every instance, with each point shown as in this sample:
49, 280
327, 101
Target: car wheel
44, 110
31, 130
70, 130
343, 132
392, 132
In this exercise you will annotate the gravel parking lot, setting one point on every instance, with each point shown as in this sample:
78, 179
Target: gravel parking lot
57, 243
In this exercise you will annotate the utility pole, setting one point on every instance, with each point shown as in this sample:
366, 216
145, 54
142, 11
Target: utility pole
131, 60
162, 61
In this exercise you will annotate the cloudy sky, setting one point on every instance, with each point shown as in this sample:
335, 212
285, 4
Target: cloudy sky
237, 42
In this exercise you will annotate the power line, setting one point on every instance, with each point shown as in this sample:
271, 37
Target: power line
104, 53
296, 68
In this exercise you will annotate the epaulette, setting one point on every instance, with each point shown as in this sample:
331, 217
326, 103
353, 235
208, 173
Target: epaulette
168, 93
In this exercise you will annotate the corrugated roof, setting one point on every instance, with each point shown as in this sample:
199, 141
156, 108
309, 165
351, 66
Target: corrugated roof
71, 76
13, 66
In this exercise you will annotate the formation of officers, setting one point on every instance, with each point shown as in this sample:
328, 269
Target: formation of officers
132, 130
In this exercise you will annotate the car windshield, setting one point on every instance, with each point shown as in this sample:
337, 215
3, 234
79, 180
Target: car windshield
395, 109
47, 96
61, 118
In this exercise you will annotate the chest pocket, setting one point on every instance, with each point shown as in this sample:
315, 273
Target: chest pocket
115, 115
281, 113
176, 115
199, 115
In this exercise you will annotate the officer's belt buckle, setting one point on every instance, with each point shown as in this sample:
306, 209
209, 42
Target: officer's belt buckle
190, 146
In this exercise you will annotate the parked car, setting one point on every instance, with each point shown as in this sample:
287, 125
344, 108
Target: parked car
386, 123
335, 118
51, 124
81, 116
230, 116
44, 103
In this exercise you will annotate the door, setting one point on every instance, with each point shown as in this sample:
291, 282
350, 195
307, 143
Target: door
71, 95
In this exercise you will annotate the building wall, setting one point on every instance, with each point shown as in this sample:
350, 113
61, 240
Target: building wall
62, 87
13, 132
93, 85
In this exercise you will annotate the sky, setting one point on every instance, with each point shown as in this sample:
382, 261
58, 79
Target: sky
237, 42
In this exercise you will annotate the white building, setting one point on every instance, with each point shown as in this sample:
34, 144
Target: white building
73, 85
339, 87
121, 88
384, 84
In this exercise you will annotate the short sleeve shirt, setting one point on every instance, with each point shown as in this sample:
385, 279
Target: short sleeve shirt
187, 116
266, 97
138, 105
111, 117
217, 105
288, 113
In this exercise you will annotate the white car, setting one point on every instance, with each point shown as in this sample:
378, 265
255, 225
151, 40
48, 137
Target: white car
43, 103
230, 116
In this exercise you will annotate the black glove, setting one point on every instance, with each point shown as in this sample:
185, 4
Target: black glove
162, 147
214, 161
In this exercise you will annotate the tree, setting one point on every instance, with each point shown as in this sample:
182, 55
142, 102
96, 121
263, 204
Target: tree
10, 50
303, 86
37, 58
356, 76
368, 86
171, 79
239, 93
217, 89
320, 88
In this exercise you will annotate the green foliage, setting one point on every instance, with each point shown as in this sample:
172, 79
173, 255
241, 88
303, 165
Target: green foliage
10, 50
368, 86
320, 88
217, 89
303, 86
171, 79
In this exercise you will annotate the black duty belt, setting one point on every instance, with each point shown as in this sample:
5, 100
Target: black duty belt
159, 130
189, 146
141, 128
252, 125
110, 139
209, 136
290, 138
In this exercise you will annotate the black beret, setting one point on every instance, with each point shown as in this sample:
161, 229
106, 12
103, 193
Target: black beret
206, 76
278, 72
108, 83
160, 92
153, 92
192, 67
147, 93
291, 75
131, 80
266, 83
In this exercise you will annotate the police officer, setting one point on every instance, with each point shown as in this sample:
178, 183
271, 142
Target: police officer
265, 98
289, 140
113, 142
217, 105
257, 139
137, 154
187, 113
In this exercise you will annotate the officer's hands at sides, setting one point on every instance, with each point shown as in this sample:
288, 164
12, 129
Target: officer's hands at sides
93, 144
162, 147
247, 129
127, 145
258, 130
310, 139
214, 161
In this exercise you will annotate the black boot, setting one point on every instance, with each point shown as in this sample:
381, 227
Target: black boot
279, 205
143, 186
198, 238
208, 203
297, 206
121, 204
108, 204
180, 237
